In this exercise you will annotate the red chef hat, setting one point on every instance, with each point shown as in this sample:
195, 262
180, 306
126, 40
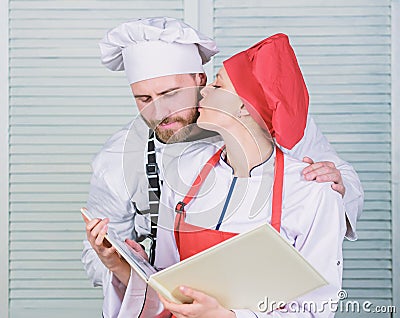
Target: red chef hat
269, 81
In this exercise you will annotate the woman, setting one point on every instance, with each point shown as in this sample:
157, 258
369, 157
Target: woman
257, 93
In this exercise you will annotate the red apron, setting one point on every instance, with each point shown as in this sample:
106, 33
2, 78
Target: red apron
191, 239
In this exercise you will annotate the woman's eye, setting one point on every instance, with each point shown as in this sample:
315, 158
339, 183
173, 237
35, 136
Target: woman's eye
216, 86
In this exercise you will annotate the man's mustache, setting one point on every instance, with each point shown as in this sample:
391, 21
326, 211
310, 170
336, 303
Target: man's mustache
169, 120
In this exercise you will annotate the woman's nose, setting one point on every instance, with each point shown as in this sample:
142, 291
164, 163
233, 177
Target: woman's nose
204, 91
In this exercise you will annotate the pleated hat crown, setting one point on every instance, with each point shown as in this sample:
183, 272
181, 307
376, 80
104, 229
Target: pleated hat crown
154, 47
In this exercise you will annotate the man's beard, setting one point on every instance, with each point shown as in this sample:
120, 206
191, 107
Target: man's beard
171, 136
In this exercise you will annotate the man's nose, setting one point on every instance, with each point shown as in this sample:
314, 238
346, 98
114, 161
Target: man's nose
162, 107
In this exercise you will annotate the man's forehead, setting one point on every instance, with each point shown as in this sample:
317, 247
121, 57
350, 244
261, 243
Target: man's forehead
162, 84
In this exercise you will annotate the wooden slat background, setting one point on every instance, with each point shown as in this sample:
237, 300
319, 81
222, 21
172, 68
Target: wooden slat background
64, 105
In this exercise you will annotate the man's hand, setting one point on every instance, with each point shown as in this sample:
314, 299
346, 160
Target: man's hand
137, 248
96, 230
324, 171
203, 306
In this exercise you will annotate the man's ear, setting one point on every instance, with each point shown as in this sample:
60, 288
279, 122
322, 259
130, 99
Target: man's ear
201, 79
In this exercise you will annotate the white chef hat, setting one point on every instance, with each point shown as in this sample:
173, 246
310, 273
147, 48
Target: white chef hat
154, 47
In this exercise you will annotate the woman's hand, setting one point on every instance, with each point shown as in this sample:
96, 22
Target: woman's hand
203, 306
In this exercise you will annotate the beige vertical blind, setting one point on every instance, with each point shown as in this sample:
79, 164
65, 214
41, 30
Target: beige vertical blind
63, 106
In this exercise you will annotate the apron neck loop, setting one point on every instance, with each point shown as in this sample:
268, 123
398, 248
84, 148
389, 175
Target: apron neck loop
198, 182
277, 190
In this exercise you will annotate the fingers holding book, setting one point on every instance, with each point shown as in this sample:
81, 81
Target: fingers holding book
96, 231
203, 305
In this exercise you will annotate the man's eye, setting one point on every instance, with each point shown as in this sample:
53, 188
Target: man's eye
144, 99
216, 86
171, 93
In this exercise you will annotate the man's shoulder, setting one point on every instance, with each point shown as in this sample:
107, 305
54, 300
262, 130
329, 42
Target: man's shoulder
303, 190
304, 201
118, 168
131, 136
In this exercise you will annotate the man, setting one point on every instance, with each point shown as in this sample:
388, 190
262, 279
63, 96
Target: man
163, 57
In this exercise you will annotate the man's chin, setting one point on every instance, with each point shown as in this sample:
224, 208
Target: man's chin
170, 136
174, 130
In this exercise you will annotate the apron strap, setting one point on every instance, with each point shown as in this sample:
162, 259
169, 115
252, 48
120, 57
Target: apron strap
196, 185
198, 182
148, 242
277, 191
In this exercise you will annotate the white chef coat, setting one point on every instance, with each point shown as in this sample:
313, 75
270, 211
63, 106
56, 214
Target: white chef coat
304, 223
112, 191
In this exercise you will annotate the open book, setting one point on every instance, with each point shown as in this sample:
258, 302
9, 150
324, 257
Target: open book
241, 272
